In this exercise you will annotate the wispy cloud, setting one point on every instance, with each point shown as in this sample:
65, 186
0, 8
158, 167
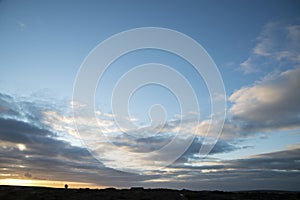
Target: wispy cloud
277, 46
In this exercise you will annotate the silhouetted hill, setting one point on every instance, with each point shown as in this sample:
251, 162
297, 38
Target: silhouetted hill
42, 193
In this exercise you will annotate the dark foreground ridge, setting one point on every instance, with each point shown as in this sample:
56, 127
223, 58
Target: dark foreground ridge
19, 192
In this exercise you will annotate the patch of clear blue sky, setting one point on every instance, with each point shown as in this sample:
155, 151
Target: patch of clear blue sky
149, 95
44, 42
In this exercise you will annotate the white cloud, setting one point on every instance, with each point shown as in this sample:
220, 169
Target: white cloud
270, 104
21, 147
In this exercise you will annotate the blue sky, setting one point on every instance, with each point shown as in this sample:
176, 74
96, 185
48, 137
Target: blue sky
254, 44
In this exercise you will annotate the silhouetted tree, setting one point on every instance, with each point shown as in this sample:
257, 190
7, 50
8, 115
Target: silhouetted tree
66, 186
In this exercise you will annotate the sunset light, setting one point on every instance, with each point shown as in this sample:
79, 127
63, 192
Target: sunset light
46, 183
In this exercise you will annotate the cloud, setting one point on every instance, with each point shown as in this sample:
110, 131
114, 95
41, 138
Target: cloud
37, 151
276, 170
270, 104
40, 150
286, 160
277, 47
192, 152
29, 145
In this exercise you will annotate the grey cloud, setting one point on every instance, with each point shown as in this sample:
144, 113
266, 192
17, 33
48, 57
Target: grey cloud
221, 146
283, 160
276, 170
143, 144
44, 155
42, 148
7, 106
22, 110
20, 132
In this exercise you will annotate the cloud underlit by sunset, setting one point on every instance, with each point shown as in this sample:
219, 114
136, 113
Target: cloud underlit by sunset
154, 140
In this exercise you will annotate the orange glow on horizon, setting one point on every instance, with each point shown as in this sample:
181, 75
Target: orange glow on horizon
47, 183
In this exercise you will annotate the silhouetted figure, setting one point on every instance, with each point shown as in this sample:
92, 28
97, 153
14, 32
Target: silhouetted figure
66, 186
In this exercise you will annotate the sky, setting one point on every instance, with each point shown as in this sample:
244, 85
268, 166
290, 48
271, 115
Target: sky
46, 139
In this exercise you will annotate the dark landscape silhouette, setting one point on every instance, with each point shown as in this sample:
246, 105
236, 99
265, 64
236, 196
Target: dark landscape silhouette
39, 193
